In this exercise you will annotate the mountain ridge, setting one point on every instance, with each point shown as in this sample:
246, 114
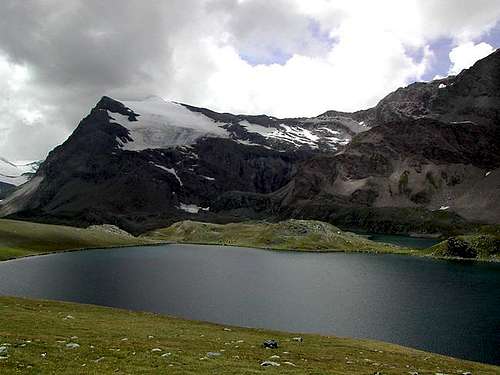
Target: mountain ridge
145, 164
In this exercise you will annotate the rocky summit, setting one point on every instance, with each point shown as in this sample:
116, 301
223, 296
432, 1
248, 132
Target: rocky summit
425, 157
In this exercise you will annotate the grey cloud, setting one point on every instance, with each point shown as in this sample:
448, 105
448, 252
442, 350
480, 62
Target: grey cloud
262, 29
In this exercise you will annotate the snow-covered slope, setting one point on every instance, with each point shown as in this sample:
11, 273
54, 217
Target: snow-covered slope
16, 173
154, 123
160, 124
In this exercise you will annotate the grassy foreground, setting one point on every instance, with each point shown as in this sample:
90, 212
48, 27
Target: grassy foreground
21, 238
40, 337
305, 235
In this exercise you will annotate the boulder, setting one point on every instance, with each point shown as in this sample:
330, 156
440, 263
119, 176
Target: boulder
271, 344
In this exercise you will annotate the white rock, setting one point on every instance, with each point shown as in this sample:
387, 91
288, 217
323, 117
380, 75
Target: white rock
72, 345
270, 363
213, 354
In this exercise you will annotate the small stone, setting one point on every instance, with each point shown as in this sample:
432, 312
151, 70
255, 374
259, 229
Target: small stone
3, 350
68, 317
125, 339
74, 337
271, 344
156, 350
43, 355
166, 354
213, 354
298, 339
72, 345
270, 363
274, 357
290, 364
151, 337
466, 373
228, 329
99, 360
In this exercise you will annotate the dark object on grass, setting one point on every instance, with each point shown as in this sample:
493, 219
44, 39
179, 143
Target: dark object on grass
271, 344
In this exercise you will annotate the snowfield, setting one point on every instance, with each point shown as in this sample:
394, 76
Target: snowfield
16, 173
162, 124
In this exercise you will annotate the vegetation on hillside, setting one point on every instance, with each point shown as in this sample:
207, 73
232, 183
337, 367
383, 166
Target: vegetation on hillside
305, 235
20, 238
472, 246
54, 337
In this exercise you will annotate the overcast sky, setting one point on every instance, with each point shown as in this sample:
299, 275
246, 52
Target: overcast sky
279, 57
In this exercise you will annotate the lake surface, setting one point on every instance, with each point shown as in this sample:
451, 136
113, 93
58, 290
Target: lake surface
440, 306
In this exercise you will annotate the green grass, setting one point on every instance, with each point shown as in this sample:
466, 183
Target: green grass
20, 238
114, 341
474, 246
304, 235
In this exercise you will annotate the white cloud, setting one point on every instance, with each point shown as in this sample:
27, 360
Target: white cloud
342, 54
465, 55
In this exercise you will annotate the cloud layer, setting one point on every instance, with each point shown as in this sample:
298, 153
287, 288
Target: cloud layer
285, 57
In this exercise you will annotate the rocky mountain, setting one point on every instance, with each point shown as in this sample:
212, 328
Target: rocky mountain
427, 153
13, 174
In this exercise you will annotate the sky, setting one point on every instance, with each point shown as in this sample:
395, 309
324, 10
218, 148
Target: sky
285, 58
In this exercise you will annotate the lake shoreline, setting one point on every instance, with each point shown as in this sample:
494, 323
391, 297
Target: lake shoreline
409, 252
30, 323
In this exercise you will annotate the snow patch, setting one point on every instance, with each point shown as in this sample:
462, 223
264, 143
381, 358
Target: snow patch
487, 174
192, 208
208, 178
444, 208
463, 122
334, 132
442, 86
17, 172
161, 124
169, 170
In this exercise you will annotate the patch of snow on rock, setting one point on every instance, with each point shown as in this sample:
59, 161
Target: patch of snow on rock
18, 172
162, 124
442, 86
192, 208
443, 208
171, 171
487, 174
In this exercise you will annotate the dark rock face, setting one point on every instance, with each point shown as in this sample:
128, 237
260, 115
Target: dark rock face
426, 156
5, 189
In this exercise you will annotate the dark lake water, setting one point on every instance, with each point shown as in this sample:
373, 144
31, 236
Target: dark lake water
440, 306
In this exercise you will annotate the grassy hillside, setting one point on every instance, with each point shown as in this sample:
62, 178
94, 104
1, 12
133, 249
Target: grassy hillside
306, 235
20, 238
40, 337
472, 246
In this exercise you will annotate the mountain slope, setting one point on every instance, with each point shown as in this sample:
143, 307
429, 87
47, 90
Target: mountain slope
16, 173
436, 146
427, 153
